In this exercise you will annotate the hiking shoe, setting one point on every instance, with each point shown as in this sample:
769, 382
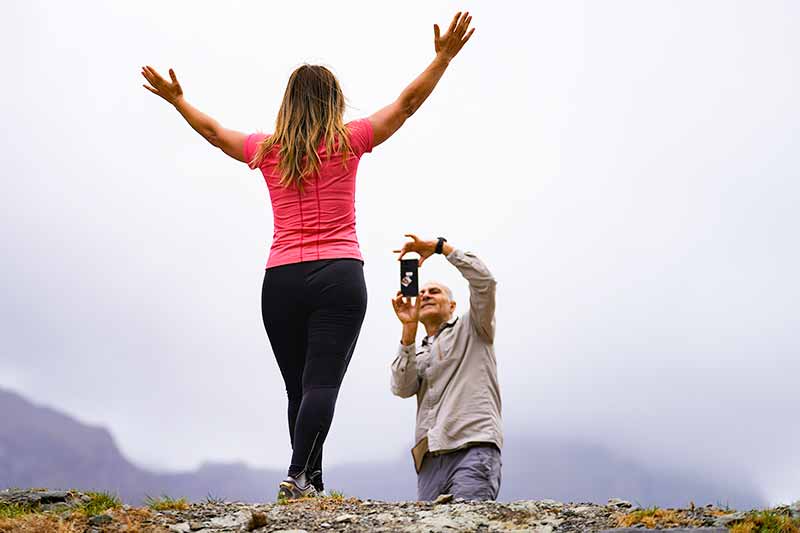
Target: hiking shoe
315, 478
294, 488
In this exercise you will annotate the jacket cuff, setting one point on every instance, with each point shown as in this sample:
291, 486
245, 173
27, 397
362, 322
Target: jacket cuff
407, 351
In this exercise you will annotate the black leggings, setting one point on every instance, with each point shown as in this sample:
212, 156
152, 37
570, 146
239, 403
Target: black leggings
313, 312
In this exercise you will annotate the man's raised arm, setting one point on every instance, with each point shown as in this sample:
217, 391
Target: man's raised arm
482, 291
482, 285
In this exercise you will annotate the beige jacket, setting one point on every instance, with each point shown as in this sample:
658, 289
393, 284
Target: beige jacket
454, 373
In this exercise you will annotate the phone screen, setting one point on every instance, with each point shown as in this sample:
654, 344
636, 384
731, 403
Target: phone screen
409, 283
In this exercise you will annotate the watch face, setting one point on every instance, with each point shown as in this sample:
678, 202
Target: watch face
409, 273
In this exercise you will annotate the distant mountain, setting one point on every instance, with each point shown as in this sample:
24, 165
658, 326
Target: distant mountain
41, 447
546, 467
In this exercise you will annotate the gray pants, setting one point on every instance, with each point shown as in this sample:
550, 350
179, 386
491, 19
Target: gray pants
472, 473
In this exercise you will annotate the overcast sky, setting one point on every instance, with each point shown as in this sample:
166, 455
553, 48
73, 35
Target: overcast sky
628, 170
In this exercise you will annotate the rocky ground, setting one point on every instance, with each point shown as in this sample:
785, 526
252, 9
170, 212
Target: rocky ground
61, 512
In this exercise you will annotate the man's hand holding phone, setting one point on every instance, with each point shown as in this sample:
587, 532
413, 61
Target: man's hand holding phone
407, 310
425, 249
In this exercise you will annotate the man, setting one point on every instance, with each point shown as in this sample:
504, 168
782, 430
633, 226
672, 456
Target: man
453, 373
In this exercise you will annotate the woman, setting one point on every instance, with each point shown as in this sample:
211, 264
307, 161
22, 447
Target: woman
313, 297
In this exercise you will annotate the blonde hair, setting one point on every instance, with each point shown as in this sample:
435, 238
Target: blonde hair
311, 112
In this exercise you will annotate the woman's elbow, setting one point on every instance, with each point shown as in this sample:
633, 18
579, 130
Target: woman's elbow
406, 106
213, 139
410, 108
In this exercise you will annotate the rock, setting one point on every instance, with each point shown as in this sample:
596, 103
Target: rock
100, 520
671, 530
257, 519
53, 496
728, 519
619, 504
439, 523
794, 509
546, 525
59, 507
34, 497
545, 516
229, 521
443, 498
345, 518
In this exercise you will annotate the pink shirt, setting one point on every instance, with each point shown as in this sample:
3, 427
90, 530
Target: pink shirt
320, 222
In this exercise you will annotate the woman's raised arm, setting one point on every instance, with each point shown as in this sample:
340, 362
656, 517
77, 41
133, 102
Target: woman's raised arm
229, 141
389, 119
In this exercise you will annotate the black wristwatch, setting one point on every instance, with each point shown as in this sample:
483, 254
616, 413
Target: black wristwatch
439, 244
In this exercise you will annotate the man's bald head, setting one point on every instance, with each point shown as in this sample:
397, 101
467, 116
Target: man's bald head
441, 286
436, 303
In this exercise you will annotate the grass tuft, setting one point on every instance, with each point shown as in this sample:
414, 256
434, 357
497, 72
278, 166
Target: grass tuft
767, 521
655, 517
100, 502
214, 499
40, 523
165, 503
15, 510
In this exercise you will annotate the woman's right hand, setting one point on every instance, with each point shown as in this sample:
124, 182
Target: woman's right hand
385, 122
169, 91
449, 44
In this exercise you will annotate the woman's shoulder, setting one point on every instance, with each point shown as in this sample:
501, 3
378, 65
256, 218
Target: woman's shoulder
361, 135
359, 124
251, 146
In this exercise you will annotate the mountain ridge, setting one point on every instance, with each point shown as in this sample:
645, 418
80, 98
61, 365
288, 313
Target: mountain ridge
43, 447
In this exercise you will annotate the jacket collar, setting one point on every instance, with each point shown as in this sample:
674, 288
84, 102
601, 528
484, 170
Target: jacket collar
447, 325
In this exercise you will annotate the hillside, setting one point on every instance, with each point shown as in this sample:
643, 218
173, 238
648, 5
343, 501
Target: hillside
42, 447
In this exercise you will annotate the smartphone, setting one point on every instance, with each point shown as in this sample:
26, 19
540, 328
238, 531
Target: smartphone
409, 282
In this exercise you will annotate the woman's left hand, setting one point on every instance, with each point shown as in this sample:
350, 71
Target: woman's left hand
169, 91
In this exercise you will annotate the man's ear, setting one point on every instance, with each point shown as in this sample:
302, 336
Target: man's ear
452, 306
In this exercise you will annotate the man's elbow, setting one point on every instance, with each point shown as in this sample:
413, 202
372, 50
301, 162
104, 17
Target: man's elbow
485, 287
488, 279
403, 393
